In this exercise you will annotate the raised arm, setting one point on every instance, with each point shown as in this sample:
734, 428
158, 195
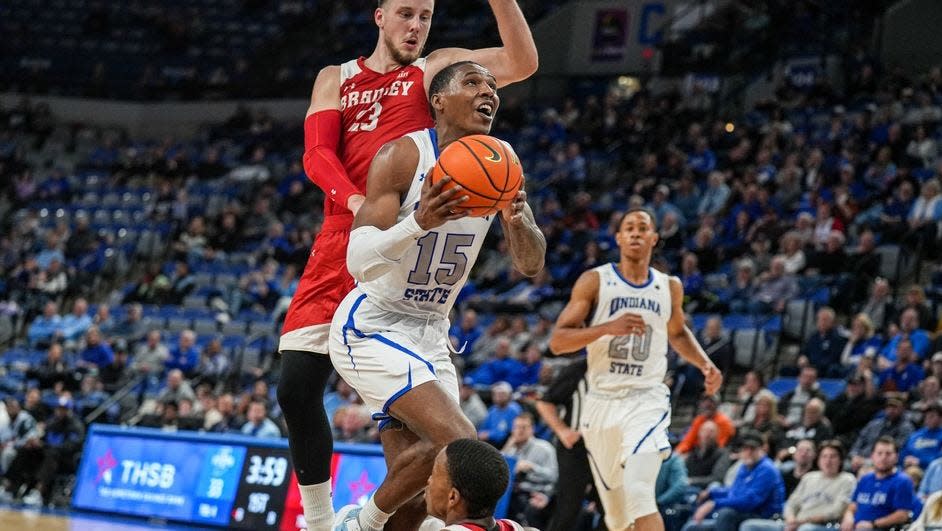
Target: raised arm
683, 341
526, 241
378, 240
517, 58
323, 127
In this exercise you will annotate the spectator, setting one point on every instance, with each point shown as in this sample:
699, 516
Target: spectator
671, 486
707, 463
214, 363
22, 428
150, 357
715, 196
931, 516
905, 374
45, 455
792, 253
352, 424
471, 404
503, 367
230, 421
892, 424
166, 417
824, 347
536, 471
925, 444
97, 352
803, 455
117, 374
496, 426
258, 423
932, 480
929, 394
184, 356
78, 322
103, 320
46, 328
916, 299
908, 329
879, 307
342, 395
773, 289
756, 492
883, 498
765, 421
745, 410
862, 342
852, 409
819, 499
708, 411
132, 328
177, 388
813, 426
743, 289
52, 370
465, 335
793, 403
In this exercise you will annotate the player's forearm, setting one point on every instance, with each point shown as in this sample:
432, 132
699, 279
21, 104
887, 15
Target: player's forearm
527, 244
518, 46
373, 252
321, 163
550, 416
686, 345
566, 340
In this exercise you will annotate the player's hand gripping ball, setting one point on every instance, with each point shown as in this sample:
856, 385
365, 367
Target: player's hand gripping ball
486, 168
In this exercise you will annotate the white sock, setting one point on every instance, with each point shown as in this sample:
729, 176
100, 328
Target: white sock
372, 518
318, 507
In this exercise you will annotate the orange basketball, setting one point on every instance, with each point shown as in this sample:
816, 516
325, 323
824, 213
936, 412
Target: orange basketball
486, 168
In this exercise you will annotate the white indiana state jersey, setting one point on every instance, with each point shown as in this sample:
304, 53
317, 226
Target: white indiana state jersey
619, 364
427, 279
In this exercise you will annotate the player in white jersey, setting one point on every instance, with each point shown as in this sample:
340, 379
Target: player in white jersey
411, 250
625, 315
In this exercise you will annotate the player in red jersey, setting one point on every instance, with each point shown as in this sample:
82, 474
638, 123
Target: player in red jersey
355, 109
468, 479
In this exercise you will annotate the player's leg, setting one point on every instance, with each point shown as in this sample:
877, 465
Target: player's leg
645, 445
603, 441
640, 476
432, 414
396, 439
304, 378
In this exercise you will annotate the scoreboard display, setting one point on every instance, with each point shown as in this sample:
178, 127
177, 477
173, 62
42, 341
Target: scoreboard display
223, 480
211, 479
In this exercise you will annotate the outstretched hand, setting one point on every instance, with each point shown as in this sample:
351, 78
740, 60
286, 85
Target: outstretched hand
437, 207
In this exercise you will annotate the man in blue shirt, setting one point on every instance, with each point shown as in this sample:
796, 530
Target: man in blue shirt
45, 328
905, 374
97, 353
465, 335
908, 329
500, 417
503, 368
925, 445
76, 323
883, 498
757, 492
184, 356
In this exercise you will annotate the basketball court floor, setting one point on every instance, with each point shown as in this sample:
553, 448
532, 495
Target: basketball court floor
18, 520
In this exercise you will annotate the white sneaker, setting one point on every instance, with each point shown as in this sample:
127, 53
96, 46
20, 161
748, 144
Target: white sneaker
33, 499
346, 518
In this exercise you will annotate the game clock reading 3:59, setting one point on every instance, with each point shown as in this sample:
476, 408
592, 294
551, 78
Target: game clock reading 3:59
260, 499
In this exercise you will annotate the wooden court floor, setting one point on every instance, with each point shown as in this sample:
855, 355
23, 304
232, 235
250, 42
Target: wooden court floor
14, 520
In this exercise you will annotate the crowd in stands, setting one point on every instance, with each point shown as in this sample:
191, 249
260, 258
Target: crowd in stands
174, 259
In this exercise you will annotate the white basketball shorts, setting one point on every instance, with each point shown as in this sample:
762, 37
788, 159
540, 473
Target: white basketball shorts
614, 428
384, 354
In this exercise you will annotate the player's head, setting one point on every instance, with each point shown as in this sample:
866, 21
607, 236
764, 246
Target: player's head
467, 480
403, 27
463, 95
637, 234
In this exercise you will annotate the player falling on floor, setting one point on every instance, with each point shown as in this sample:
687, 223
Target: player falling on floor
355, 108
389, 339
467, 481
625, 315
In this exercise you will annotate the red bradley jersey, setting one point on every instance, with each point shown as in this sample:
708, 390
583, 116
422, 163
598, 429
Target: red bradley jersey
377, 108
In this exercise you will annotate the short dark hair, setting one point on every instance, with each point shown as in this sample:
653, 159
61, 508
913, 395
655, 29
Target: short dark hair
528, 416
442, 79
835, 445
632, 210
479, 473
886, 439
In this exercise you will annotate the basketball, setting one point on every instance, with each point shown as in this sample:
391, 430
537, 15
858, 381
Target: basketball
486, 167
